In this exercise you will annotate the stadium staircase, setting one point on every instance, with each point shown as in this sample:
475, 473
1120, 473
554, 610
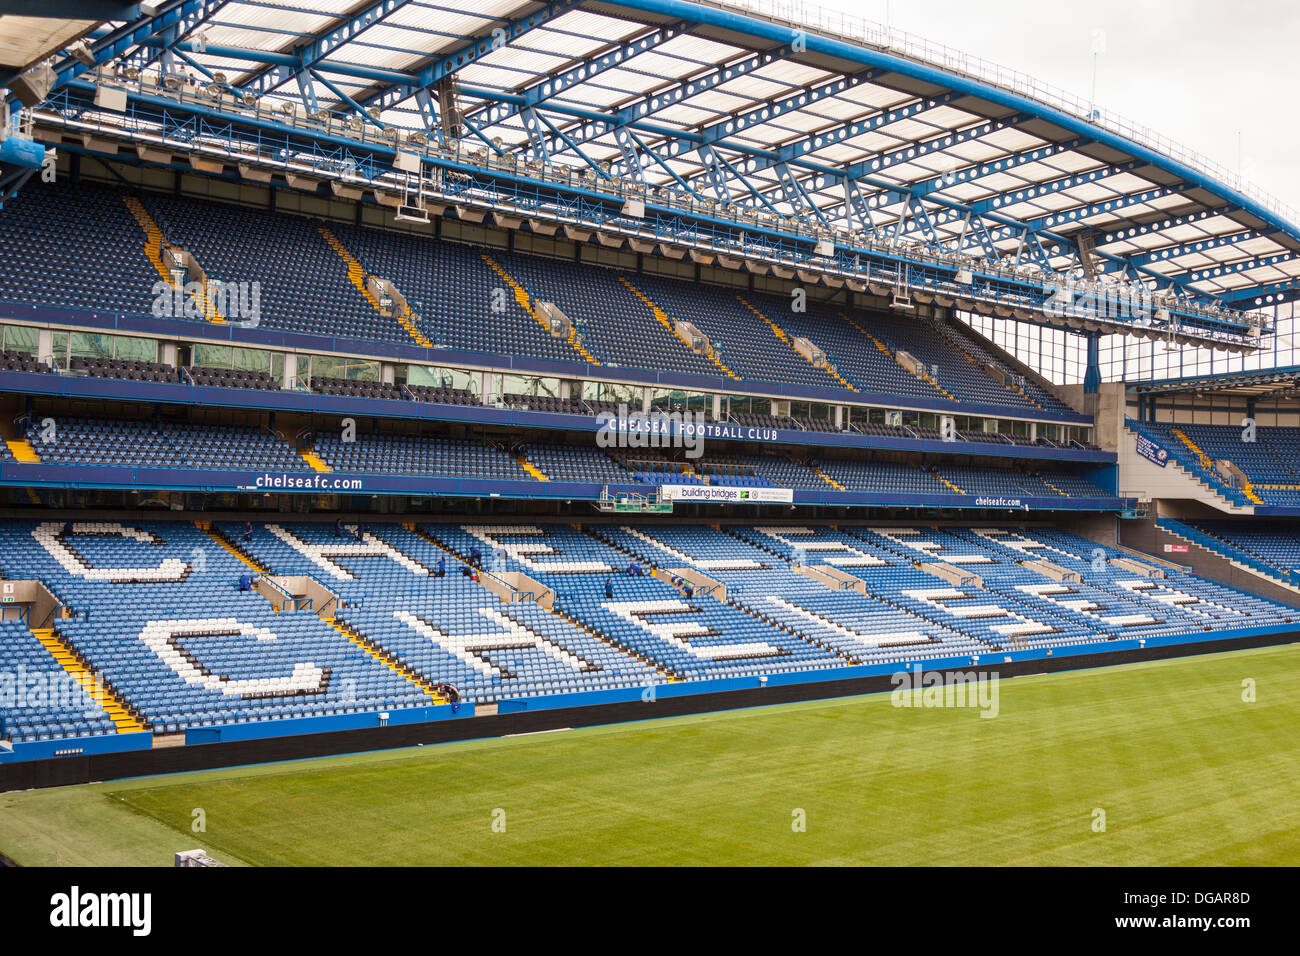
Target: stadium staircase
532, 469
781, 334
662, 318
23, 451
667, 673
345, 630
314, 461
357, 276
392, 663
525, 301
947, 482
124, 719
155, 243
217, 535
816, 470
925, 375
1179, 479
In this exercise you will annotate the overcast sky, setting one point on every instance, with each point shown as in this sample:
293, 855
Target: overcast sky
1196, 71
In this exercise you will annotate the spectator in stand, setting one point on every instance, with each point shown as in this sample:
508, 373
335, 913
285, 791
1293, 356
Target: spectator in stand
609, 589
475, 557
248, 531
442, 568
338, 527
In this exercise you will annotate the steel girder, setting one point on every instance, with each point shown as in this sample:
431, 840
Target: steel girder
640, 144
445, 64
593, 127
1169, 253
130, 35
538, 93
309, 55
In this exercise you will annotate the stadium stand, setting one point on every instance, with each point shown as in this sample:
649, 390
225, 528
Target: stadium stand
96, 441
156, 610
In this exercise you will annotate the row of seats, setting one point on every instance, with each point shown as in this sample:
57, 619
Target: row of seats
158, 611
81, 248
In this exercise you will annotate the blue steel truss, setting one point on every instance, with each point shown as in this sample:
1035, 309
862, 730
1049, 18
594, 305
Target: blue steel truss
563, 106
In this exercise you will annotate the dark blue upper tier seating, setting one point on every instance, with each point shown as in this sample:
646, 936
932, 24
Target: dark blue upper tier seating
74, 247
304, 283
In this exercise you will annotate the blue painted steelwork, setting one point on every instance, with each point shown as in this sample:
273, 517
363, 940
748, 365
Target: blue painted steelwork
307, 150
308, 55
872, 203
445, 65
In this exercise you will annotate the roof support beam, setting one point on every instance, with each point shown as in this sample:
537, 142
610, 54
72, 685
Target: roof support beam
549, 86
1169, 253
1115, 205
633, 113
308, 55
475, 48
130, 35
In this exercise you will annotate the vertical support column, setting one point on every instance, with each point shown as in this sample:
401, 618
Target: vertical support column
645, 399
45, 346
717, 407
290, 373
1092, 376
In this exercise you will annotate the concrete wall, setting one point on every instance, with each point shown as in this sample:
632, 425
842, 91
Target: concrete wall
1146, 537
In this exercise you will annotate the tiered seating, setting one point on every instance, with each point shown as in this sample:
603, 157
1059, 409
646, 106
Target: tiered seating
356, 388
853, 354
446, 629
453, 289
232, 378
415, 455
42, 701
74, 247
14, 361
1269, 462
747, 345
1163, 434
94, 441
158, 615
49, 257
872, 476
971, 346
571, 463
617, 327
122, 369
304, 283
693, 637
543, 403
1073, 485
444, 396
160, 618
1274, 547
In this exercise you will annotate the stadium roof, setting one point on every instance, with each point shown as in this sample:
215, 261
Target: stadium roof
1275, 383
787, 108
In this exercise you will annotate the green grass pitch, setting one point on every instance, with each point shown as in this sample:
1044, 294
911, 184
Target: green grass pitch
1185, 770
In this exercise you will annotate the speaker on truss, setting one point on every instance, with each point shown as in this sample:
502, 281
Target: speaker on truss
33, 86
